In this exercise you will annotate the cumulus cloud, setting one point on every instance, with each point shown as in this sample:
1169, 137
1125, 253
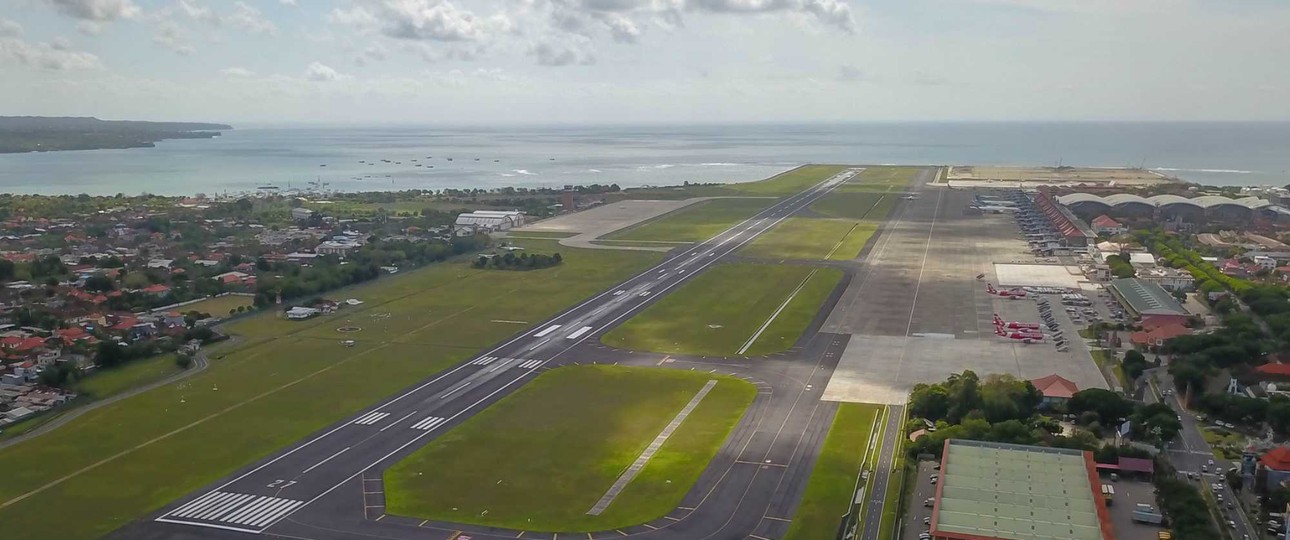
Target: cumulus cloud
243, 17
96, 10
425, 20
170, 36
554, 53
51, 56
319, 72
10, 28
236, 72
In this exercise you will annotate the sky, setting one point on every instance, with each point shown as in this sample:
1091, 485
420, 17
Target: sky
646, 61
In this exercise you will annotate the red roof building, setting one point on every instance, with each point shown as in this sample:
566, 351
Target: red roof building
1274, 370
1277, 459
1157, 334
1055, 388
156, 289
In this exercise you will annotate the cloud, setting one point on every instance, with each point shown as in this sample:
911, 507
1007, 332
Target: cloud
243, 17
96, 10
832, 12
170, 36
10, 28
236, 72
292, 3
551, 53
420, 20
320, 72
622, 29
250, 19
51, 56
849, 73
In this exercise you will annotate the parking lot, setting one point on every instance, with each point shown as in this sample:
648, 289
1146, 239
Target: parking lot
1129, 493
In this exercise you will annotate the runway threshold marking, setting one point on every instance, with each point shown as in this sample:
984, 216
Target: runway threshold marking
371, 418
748, 344
429, 423
636, 467
240, 510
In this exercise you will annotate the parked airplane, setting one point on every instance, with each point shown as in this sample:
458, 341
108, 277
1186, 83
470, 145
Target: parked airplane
1022, 337
1000, 323
1010, 293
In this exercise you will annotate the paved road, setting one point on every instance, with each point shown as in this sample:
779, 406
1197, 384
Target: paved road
329, 486
200, 363
1191, 453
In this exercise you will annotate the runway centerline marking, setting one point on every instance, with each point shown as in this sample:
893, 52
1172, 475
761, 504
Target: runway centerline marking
329, 458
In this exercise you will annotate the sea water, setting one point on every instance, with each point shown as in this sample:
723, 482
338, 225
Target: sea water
366, 158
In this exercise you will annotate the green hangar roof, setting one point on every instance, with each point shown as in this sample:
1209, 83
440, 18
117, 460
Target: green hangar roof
1015, 492
1146, 298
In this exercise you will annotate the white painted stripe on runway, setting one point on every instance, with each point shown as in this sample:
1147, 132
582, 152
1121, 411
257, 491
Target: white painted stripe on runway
371, 418
396, 422
579, 333
204, 502
257, 504
532, 364
223, 508
548, 330
209, 525
275, 512
315, 466
275, 508
540, 343
619, 292
453, 391
484, 361
429, 423
200, 501
194, 512
360, 419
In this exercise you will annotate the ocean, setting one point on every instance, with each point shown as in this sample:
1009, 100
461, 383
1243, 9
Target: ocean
349, 158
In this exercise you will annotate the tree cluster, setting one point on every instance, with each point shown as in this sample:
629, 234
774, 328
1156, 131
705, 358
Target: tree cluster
1120, 266
523, 261
1188, 512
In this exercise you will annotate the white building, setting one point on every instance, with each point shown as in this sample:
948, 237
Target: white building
490, 220
337, 247
1265, 262
1140, 259
301, 313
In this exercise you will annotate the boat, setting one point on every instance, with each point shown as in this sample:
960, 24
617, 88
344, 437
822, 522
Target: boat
449, 159
323, 165
497, 161
269, 187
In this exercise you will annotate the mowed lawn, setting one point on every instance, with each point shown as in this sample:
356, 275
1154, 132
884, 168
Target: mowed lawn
719, 310
541, 458
829, 492
695, 223
287, 380
217, 307
809, 238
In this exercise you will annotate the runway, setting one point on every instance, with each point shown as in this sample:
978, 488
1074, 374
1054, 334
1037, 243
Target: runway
329, 486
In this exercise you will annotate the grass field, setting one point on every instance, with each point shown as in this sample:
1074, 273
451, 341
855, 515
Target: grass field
719, 310
217, 307
110, 382
288, 379
830, 489
694, 223
807, 238
786, 183
539, 459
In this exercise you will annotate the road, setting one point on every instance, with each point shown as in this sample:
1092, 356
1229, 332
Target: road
200, 363
1191, 453
329, 486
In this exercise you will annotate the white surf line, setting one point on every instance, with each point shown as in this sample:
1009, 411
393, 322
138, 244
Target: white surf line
639, 465
770, 320
315, 466
548, 330
580, 332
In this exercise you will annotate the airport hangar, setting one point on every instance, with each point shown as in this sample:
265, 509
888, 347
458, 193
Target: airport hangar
999, 491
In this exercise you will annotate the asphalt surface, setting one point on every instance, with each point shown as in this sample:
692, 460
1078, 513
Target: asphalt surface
329, 486
1191, 453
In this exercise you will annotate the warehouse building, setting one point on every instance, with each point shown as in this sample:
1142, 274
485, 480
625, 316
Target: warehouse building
998, 491
489, 220
1146, 300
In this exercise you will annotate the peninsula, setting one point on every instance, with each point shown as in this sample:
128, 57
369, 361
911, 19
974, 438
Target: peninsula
46, 134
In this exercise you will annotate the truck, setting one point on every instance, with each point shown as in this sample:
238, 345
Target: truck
1108, 493
1142, 516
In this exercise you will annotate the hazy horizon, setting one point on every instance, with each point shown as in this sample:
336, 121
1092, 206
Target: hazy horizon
582, 62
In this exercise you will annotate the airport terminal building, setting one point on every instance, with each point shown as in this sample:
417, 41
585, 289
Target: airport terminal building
1144, 299
998, 491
